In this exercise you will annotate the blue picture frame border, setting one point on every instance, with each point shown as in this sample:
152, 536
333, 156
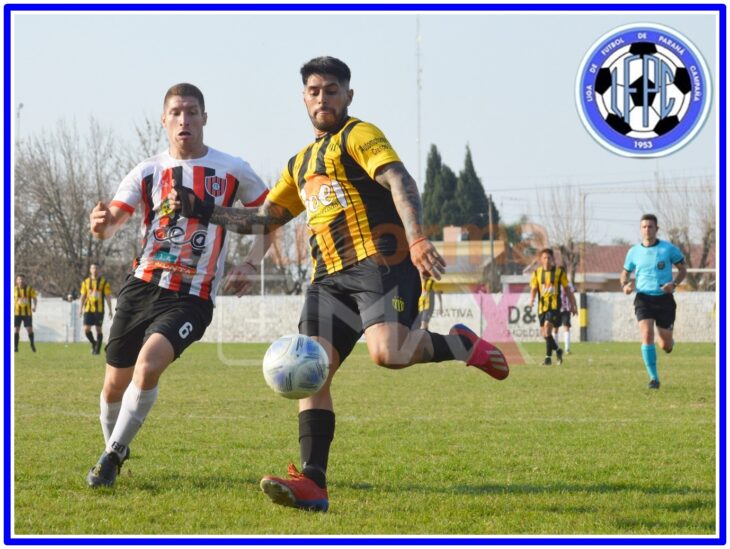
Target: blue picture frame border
719, 539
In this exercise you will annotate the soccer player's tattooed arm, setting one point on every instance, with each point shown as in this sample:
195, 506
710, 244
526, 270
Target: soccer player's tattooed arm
407, 200
262, 220
105, 220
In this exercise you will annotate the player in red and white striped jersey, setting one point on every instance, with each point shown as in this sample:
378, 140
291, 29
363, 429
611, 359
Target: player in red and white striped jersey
168, 302
179, 253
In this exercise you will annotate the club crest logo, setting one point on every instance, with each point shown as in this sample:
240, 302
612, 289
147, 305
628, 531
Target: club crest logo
643, 90
215, 186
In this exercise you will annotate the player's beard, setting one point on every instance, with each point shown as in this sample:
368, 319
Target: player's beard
329, 127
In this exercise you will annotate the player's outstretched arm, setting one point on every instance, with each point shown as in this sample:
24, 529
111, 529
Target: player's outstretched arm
407, 200
262, 220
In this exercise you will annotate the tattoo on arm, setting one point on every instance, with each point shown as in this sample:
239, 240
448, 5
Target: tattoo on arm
262, 220
406, 197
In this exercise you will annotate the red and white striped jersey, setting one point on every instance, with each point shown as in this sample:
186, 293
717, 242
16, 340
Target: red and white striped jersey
180, 254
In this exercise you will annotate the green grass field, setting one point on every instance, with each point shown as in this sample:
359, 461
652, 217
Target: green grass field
438, 449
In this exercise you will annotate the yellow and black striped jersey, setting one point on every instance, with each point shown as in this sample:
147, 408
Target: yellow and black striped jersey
349, 215
24, 297
550, 285
424, 302
95, 290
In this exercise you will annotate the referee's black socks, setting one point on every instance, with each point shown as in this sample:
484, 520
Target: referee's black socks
316, 431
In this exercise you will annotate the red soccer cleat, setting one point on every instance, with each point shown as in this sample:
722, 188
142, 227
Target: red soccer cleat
297, 491
484, 355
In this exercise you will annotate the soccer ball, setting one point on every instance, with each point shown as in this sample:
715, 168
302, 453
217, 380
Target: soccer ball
296, 366
649, 114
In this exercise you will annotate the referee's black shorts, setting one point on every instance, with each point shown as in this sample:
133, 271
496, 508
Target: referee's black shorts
339, 307
659, 308
144, 309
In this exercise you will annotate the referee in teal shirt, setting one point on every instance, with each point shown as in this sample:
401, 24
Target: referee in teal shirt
652, 262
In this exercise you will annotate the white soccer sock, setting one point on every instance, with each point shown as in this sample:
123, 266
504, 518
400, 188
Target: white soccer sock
567, 340
108, 416
136, 404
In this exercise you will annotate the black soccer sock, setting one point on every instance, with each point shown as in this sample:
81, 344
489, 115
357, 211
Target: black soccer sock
31, 337
90, 337
316, 431
442, 351
550, 345
17, 340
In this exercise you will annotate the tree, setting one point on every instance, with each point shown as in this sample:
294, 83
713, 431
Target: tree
686, 213
473, 203
290, 257
561, 214
460, 200
58, 179
432, 188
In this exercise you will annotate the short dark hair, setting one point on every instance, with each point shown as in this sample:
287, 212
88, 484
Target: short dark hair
185, 90
548, 251
649, 217
326, 65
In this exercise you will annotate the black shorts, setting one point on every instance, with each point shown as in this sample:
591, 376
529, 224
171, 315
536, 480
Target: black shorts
565, 318
341, 306
93, 319
553, 317
26, 320
659, 308
144, 309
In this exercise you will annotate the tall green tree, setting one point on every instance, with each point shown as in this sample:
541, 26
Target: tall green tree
473, 203
448, 200
432, 189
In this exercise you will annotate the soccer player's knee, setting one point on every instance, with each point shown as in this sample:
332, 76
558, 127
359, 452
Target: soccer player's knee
665, 345
113, 391
384, 356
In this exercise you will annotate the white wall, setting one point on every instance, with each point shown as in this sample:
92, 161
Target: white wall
499, 317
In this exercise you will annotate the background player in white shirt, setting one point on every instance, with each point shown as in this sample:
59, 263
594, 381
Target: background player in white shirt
167, 303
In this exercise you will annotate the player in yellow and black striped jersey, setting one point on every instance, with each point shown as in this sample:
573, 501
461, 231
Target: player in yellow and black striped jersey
425, 302
368, 249
95, 290
26, 300
548, 283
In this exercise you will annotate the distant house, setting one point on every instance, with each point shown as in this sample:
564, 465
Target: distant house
602, 268
469, 264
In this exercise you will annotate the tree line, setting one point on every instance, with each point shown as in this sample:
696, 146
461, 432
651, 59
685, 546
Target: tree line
61, 175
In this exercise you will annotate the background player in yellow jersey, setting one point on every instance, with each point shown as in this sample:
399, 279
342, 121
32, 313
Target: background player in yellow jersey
426, 302
548, 284
95, 290
26, 300
368, 248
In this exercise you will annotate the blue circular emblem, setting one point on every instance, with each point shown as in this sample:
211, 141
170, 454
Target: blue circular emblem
643, 90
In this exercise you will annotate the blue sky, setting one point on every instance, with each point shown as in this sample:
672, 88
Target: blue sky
503, 83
